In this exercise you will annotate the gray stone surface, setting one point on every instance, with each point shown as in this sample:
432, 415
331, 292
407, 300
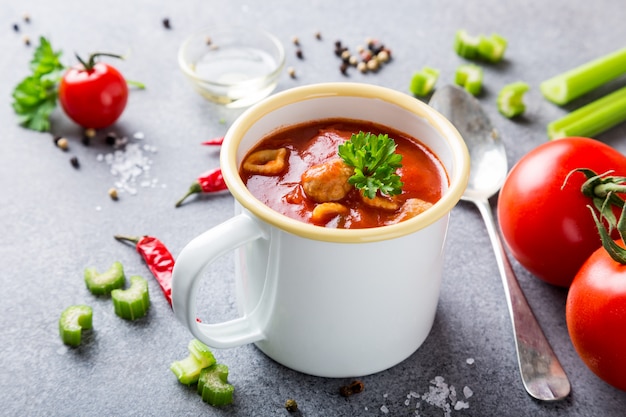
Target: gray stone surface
57, 220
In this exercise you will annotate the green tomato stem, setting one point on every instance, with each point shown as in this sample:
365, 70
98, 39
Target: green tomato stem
92, 59
615, 251
136, 84
91, 62
604, 190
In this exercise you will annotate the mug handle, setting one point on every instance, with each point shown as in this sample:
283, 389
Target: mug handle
190, 263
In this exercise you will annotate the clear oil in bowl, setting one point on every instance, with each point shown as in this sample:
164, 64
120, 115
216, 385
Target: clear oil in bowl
236, 73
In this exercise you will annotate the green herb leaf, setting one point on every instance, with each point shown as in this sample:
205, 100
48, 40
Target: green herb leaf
375, 162
35, 97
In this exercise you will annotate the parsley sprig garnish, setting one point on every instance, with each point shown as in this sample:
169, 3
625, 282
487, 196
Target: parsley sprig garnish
35, 97
375, 162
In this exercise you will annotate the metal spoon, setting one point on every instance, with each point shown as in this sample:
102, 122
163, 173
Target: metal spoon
542, 374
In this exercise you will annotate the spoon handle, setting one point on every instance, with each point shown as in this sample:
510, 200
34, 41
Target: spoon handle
542, 374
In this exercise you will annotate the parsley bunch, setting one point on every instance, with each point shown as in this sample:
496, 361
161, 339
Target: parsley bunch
35, 97
375, 162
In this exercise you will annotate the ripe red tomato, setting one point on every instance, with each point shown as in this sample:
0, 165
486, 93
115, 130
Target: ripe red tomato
596, 317
94, 97
546, 224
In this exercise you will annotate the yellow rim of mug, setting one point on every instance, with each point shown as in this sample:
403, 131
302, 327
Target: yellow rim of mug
458, 179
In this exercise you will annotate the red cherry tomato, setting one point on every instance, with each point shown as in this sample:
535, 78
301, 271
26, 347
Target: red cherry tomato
596, 317
546, 224
94, 97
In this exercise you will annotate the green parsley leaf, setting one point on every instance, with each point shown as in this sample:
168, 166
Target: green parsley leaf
375, 162
35, 97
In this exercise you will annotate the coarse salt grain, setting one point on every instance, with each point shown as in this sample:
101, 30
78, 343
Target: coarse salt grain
384, 409
461, 405
452, 395
130, 166
438, 395
470, 361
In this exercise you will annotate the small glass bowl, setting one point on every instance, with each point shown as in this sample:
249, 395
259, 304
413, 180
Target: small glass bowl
233, 66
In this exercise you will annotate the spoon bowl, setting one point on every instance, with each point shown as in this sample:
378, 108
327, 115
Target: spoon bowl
542, 374
487, 154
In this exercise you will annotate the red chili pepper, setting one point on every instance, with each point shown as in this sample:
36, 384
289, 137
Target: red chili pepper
214, 141
158, 259
210, 182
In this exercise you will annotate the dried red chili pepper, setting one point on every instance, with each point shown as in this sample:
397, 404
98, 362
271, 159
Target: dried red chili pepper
214, 142
211, 181
158, 259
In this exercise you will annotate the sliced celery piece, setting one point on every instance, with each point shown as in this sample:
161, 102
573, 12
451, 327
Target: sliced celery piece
470, 77
214, 387
132, 303
511, 99
104, 283
423, 82
72, 322
565, 87
492, 48
188, 370
592, 119
465, 45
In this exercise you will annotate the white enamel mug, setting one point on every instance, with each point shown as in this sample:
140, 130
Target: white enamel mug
326, 302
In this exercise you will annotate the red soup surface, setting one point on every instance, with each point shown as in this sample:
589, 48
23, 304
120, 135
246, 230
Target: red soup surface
296, 171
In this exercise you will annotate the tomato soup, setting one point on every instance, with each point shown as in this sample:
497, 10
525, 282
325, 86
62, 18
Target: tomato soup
296, 171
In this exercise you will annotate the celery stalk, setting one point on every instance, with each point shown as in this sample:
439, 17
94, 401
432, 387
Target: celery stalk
72, 322
465, 45
470, 77
104, 283
423, 82
510, 99
592, 119
565, 87
188, 370
132, 303
213, 385
492, 48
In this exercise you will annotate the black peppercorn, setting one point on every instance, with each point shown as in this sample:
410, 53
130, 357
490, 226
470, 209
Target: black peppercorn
166, 23
355, 387
345, 391
74, 162
110, 138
